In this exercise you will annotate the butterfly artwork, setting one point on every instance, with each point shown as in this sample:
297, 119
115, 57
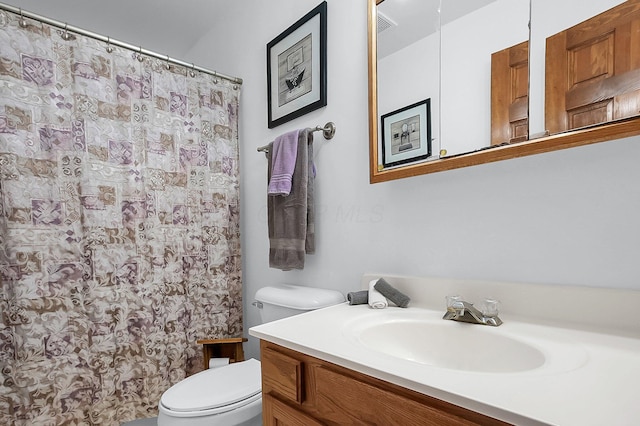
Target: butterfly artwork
297, 69
294, 82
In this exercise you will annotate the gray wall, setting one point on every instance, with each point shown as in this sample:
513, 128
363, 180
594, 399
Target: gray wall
568, 217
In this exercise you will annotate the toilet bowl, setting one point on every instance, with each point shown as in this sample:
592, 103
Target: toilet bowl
232, 395
229, 395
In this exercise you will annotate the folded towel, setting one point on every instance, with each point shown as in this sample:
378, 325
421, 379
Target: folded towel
358, 297
398, 298
291, 219
376, 299
310, 239
284, 152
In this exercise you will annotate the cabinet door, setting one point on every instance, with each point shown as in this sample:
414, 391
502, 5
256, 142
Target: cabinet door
593, 70
510, 94
277, 413
282, 374
344, 401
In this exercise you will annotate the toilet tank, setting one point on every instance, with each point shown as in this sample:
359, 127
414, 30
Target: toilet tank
285, 300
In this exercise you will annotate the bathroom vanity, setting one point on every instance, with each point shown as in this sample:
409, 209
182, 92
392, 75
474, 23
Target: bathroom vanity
564, 355
299, 389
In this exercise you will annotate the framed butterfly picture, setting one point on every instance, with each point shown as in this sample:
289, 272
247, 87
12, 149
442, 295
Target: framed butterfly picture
297, 68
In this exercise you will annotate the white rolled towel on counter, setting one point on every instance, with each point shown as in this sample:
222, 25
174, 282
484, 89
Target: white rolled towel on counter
376, 299
218, 362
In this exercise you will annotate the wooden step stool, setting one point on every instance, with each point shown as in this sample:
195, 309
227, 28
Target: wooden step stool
222, 348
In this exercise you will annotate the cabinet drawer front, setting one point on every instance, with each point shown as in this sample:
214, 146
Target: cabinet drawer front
354, 402
277, 413
282, 374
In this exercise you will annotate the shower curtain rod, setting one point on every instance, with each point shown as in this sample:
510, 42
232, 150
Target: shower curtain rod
24, 14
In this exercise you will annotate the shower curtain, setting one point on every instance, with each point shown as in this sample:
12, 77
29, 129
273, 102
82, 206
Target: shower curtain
119, 226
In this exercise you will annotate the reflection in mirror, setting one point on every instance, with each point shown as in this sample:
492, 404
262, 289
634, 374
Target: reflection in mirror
585, 63
409, 69
408, 52
468, 43
510, 94
592, 69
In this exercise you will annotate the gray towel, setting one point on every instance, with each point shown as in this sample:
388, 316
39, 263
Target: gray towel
358, 297
400, 299
291, 217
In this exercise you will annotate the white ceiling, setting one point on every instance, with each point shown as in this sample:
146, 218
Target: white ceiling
417, 19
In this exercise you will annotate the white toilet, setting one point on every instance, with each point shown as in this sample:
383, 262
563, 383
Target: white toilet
232, 395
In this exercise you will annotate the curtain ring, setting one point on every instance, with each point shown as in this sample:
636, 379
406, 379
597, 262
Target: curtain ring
167, 65
192, 73
140, 58
22, 22
65, 34
109, 47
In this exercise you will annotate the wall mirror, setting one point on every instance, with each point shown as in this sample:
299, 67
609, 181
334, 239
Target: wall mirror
596, 94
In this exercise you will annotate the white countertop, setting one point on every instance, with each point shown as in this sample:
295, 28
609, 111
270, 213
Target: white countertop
596, 382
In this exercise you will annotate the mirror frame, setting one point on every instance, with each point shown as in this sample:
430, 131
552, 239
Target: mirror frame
601, 133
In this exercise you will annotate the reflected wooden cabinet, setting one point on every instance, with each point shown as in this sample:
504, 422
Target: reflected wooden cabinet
302, 390
510, 94
593, 70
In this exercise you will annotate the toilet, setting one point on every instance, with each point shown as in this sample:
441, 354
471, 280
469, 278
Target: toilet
232, 395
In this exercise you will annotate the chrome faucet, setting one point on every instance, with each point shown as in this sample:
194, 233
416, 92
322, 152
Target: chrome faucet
459, 310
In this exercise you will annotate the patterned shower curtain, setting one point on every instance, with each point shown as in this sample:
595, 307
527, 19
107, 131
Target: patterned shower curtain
119, 227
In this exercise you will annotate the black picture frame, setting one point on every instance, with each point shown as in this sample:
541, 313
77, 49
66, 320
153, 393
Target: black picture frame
297, 68
406, 134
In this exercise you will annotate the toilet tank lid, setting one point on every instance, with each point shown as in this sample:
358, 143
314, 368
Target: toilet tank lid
299, 297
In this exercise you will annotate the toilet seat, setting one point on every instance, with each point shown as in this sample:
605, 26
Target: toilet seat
214, 391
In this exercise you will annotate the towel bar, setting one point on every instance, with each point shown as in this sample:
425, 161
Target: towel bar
328, 131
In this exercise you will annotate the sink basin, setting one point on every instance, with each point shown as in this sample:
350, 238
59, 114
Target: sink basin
451, 345
413, 337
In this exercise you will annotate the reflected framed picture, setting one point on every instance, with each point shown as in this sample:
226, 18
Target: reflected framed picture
297, 68
406, 134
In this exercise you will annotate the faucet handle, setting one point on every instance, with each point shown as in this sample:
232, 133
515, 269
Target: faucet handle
452, 301
455, 305
490, 307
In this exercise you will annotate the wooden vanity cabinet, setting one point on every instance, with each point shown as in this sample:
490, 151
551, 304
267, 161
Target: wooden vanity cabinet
300, 390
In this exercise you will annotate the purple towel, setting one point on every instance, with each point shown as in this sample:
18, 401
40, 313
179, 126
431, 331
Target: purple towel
283, 162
